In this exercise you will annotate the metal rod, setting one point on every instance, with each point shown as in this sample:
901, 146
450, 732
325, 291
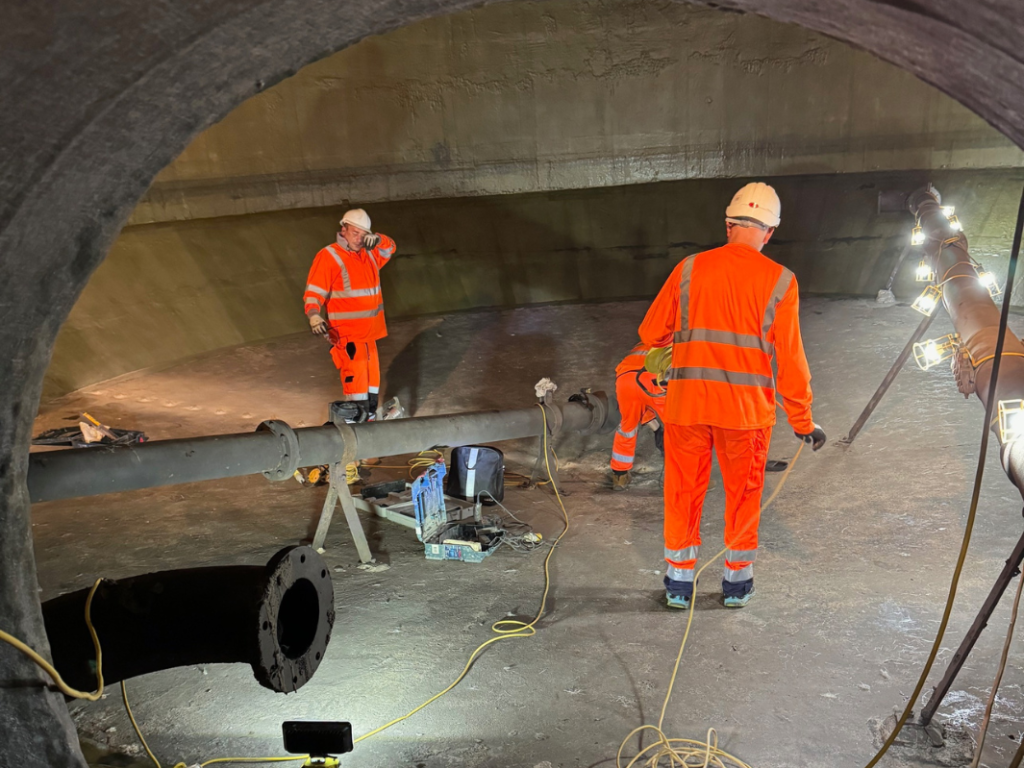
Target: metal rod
890, 377
897, 265
277, 618
1010, 570
277, 451
997, 357
1018, 756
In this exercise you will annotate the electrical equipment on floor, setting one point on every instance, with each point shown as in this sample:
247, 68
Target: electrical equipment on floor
446, 536
477, 471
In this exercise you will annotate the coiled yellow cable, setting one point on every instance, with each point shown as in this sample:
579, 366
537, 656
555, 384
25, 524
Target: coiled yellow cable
505, 629
684, 752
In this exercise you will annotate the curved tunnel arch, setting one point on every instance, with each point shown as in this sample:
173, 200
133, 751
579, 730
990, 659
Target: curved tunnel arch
109, 93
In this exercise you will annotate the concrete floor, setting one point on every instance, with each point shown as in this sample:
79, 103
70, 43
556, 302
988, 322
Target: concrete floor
855, 562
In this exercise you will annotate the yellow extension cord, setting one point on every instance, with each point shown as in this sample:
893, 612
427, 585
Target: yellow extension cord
683, 752
66, 689
505, 629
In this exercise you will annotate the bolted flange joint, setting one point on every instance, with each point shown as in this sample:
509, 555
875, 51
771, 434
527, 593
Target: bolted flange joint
289, 450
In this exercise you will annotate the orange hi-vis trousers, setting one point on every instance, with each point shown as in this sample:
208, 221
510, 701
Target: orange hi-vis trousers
360, 368
637, 395
742, 454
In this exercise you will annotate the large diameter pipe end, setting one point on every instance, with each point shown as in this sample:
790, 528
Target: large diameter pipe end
296, 618
926, 194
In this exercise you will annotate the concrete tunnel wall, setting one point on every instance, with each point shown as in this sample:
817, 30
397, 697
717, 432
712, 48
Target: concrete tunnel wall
172, 290
108, 92
510, 100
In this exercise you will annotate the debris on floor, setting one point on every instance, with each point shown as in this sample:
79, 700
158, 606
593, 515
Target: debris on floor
89, 432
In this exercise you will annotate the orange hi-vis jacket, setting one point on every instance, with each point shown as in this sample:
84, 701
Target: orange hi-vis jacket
348, 283
727, 312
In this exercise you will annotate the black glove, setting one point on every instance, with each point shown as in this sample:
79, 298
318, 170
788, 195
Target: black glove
816, 438
370, 240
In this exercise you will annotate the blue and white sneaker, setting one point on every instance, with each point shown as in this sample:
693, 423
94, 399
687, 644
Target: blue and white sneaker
677, 601
738, 602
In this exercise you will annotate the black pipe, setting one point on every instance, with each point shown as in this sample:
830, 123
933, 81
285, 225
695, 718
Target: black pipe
277, 618
277, 450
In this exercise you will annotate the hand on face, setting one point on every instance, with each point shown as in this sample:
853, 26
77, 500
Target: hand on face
353, 236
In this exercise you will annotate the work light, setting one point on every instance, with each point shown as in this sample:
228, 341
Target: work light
924, 273
988, 280
928, 300
932, 352
1011, 420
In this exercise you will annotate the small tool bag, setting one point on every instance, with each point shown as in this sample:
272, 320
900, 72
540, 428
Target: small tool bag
474, 469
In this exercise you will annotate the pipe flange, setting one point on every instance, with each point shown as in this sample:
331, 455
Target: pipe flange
296, 618
597, 404
289, 452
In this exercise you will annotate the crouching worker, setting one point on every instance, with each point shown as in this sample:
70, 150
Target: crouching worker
640, 393
725, 314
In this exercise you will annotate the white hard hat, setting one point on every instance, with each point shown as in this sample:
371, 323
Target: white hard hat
357, 217
756, 201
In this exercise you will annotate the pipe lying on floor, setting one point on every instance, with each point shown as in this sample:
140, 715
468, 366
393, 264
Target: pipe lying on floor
975, 317
277, 618
276, 450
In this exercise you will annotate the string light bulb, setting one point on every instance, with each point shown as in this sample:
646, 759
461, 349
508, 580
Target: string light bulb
930, 353
990, 282
928, 300
917, 236
924, 273
954, 224
1011, 420
948, 210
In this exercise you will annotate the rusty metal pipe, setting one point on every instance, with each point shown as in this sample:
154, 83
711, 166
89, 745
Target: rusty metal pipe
975, 317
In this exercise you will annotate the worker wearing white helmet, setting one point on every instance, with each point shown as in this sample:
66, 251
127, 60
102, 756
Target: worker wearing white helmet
344, 284
727, 314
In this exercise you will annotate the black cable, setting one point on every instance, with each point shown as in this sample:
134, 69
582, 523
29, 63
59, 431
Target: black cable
990, 405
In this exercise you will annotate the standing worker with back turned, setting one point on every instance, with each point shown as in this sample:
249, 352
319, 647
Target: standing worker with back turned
345, 278
726, 312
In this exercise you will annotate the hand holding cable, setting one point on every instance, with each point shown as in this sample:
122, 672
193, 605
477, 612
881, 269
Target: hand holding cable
815, 437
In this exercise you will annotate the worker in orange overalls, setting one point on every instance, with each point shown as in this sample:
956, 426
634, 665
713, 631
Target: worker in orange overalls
345, 279
726, 313
641, 397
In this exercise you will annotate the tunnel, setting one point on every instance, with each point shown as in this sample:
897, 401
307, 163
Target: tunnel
169, 174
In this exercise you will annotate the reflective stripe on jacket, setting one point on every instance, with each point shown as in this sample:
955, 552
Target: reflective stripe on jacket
640, 399
347, 284
727, 312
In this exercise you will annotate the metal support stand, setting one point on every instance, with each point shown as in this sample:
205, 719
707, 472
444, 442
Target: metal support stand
338, 492
546, 459
1010, 570
890, 377
540, 468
